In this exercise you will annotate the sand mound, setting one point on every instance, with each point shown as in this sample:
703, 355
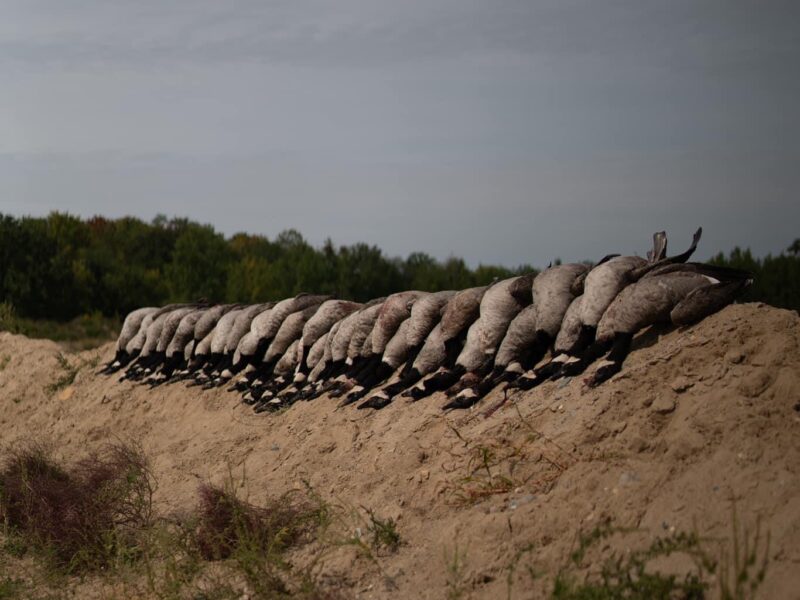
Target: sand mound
699, 418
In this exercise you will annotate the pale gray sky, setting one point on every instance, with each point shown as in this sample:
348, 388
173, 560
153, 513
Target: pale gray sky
501, 131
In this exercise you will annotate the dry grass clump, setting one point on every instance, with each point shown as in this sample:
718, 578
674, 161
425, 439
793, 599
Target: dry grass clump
255, 540
82, 518
226, 523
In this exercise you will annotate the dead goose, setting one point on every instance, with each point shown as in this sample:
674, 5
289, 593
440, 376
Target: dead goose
605, 282
441, 346
318, 326
676, 294
176, 349
394, 311
284, 367
533, 329
568, 335
405, 345
263, 328
148, 357
130, 327
501, 302
602, 284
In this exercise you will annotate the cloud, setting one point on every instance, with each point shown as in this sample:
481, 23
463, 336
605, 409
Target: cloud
360, 33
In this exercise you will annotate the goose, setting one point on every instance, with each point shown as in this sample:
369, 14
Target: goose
147, 356
224, 345
130, 328
315, 379
394, 311
567, 337
175, 353
135, 345
440, 347
406, 344
350, 337
359, 354
676, 294
241, 327
290, 330
284, 367
318, 326
170, 328
264, 326
216, 355
533, 329
601, 285
209, 353
501, 302
310, 357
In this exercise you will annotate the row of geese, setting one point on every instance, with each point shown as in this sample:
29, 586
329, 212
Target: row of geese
414, 343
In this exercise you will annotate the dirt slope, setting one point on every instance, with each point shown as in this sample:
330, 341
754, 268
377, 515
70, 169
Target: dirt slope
698, 418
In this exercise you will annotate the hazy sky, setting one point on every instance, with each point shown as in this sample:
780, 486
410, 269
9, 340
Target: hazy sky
501, 131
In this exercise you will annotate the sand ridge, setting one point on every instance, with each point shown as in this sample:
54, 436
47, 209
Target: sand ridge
699, 418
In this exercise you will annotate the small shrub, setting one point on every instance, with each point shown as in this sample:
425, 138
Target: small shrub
80, 519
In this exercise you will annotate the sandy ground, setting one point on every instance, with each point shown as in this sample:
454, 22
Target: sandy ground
700, 419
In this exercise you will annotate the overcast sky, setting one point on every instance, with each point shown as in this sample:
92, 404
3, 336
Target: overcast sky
501, 131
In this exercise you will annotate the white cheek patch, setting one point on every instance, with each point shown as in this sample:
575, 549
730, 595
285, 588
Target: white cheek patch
561, 358
514, 367
382, 395
348, 361
711, 279
606, 363
467, 393
299, 377
357, 389
572, 360
226, 374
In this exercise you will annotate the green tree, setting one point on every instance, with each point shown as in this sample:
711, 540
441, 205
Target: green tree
198, 268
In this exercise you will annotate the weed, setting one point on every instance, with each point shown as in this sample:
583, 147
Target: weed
627, 575
506, 462
384, 532
742, 570
10, 588
514, 564
14, 546
455, 563
66, 378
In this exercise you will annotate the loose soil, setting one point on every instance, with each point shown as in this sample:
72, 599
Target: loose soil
700, 421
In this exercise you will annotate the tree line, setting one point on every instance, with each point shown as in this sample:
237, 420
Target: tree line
60, 266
